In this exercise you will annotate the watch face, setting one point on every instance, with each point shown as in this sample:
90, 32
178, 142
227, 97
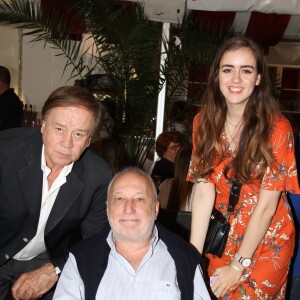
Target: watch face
246, 262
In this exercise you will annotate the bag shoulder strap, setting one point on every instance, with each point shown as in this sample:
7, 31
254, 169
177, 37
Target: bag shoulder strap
234, 195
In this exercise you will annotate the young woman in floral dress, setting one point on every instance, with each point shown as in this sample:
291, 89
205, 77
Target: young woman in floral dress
240, 136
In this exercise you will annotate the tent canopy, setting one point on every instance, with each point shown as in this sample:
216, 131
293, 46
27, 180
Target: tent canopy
265, 6
172, 11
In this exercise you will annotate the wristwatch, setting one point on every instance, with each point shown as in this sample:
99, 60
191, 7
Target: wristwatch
245, 262
57, 270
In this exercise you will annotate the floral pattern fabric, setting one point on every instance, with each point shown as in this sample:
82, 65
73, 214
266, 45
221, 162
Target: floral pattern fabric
266, 277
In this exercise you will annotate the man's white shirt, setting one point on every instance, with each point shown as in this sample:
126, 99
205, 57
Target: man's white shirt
155, 278
37, 245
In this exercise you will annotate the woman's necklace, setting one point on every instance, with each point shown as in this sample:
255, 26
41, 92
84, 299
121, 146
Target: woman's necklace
233, 124
238, 123
234, 137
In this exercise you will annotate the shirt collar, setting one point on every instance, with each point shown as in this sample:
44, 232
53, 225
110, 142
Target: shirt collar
153, 242
65, 171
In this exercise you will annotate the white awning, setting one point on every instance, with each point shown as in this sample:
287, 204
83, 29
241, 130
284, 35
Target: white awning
265, 6
171, 11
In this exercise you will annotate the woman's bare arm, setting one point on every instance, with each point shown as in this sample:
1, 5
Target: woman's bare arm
202, 204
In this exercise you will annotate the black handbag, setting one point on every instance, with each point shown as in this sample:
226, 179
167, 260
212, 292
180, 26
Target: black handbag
218, 228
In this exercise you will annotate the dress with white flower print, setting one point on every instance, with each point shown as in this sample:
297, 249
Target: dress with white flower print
266, 277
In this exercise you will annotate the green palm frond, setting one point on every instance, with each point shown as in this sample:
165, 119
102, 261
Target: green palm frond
44, 25
135, 149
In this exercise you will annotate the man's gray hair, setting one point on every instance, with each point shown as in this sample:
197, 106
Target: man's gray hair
137, 171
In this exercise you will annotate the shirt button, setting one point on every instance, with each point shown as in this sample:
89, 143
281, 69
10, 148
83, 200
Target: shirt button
6, 256
25, 240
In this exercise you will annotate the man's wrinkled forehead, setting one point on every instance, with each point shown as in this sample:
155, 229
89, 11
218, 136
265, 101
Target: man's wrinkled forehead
130, 179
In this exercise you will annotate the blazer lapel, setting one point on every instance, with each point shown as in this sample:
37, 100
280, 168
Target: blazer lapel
67, 196
31, 178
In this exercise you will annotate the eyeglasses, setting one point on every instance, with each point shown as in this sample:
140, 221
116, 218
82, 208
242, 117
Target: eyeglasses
175, 147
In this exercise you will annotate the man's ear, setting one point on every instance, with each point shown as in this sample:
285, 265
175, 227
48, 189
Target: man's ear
156, 209
89, 142
43, 126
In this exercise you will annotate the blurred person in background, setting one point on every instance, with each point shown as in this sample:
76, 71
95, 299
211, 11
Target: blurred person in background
11, 108
294, 292
175, 193
166, 146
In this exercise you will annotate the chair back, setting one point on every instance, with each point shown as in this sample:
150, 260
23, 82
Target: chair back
176, 221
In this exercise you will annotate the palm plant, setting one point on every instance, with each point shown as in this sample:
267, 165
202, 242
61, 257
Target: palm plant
124, 46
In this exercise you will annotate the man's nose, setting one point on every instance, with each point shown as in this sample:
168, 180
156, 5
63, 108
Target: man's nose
67, 141
129, 207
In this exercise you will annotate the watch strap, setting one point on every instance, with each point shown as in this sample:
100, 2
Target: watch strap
238, 258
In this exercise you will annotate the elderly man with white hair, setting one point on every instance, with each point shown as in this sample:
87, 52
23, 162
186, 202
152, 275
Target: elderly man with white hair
136, 258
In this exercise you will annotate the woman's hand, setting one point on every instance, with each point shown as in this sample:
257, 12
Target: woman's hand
227, 277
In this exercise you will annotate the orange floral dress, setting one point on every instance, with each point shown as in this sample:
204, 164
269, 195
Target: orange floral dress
266, 277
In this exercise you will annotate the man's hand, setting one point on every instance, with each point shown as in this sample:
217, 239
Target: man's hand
33, 284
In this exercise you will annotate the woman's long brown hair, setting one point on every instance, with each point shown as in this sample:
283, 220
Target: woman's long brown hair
260, 112
181, 189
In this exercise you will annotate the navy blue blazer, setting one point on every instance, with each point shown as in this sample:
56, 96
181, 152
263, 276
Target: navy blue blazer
80, 203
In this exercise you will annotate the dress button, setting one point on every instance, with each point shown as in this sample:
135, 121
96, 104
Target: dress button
6, 256
25, 240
